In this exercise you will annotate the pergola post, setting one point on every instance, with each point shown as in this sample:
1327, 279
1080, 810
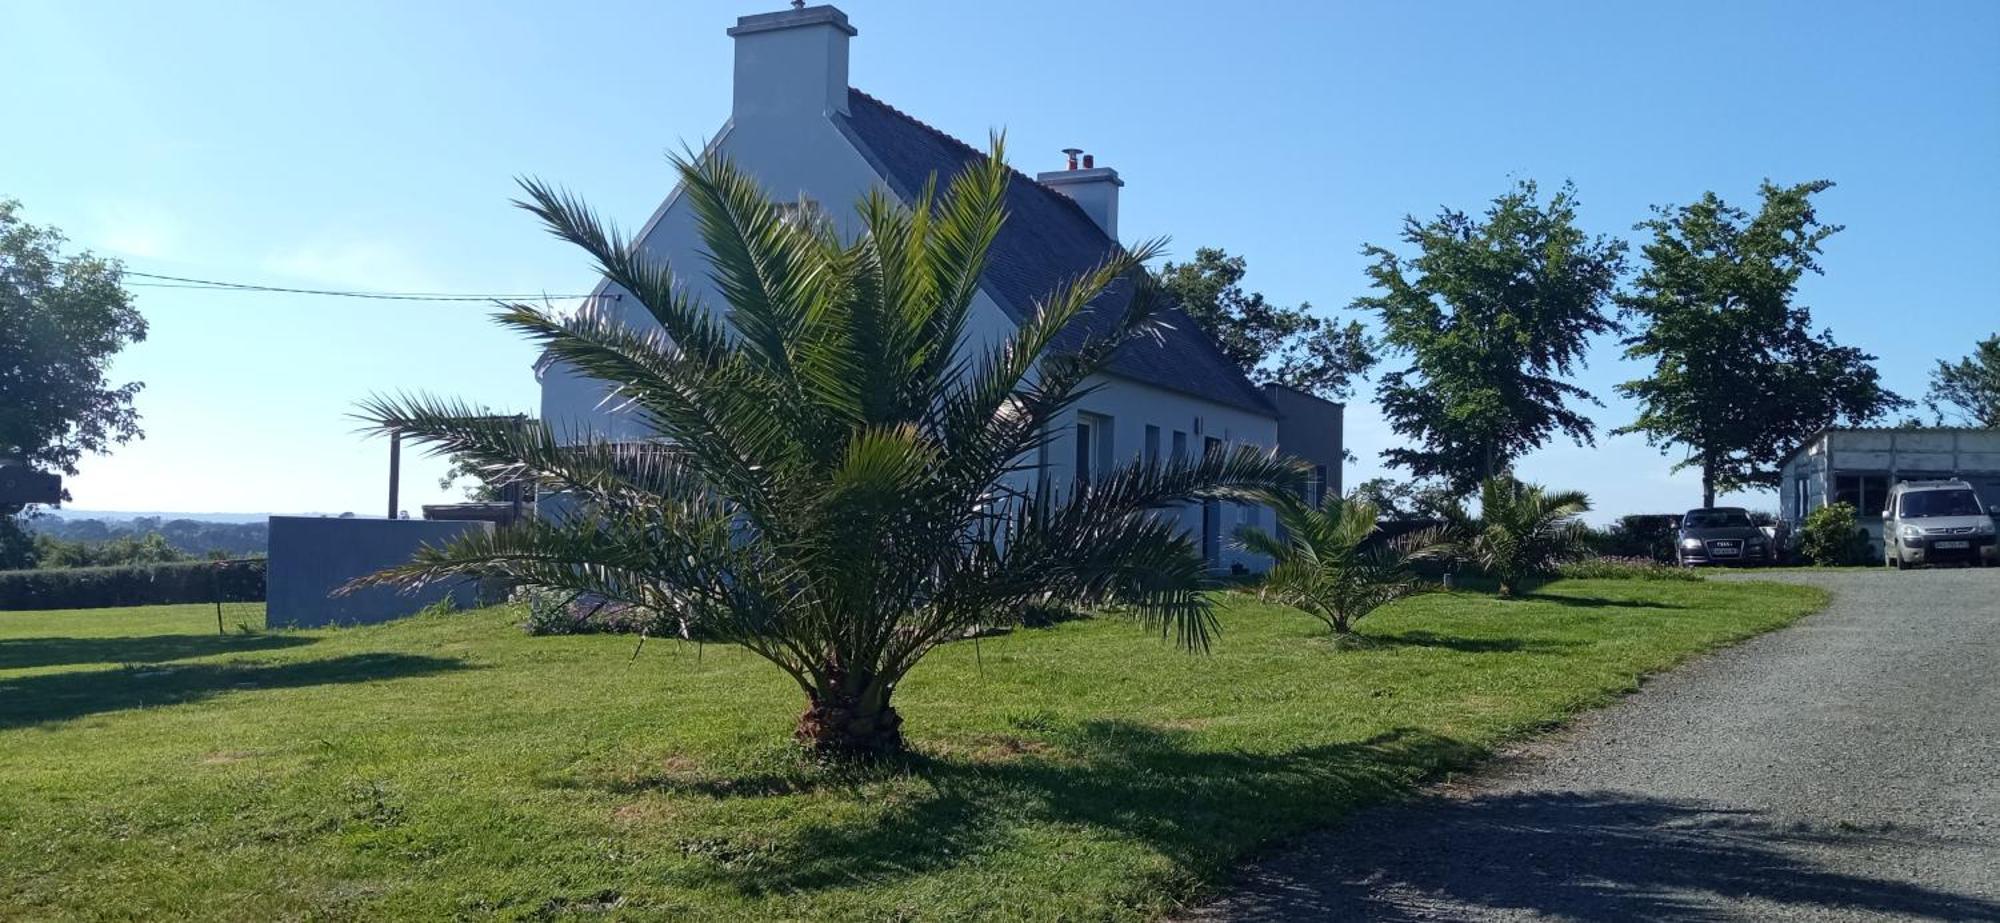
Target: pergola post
395, 470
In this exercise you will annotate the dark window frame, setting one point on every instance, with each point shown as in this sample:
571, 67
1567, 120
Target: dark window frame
1867, 491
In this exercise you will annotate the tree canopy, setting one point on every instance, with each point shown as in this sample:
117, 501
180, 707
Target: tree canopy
1272, 343
1968, 391
1492, 311
62, 319
1739, 378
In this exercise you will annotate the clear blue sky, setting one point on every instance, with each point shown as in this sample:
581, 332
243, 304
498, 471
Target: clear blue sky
372, 145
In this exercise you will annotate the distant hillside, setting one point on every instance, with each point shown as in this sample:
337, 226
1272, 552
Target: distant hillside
120, 516
197, 537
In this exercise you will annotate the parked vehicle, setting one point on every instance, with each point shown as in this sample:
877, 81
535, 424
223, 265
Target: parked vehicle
1932, 522
1721, 535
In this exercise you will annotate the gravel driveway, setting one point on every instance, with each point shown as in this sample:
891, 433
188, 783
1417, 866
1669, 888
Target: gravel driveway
1847, 768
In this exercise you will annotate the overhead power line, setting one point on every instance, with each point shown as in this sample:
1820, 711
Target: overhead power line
185, 282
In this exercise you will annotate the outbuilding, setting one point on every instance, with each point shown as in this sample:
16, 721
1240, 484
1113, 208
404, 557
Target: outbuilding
1858, 466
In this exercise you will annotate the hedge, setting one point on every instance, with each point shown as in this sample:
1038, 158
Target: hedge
132, 585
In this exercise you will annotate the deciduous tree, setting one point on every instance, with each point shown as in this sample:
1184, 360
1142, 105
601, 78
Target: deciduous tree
1968, 391
1272, 343
1493, 312
62, 319
1739, 377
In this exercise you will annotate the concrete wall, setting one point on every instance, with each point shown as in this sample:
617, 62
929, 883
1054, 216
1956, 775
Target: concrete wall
312, 556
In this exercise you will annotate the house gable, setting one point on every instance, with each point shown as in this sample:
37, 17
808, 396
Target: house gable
799, 139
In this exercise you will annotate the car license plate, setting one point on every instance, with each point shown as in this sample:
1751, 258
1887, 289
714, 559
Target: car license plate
1953, 546
1726, 552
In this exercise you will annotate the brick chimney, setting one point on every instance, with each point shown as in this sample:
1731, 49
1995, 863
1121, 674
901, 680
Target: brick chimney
791, 63
1091, 187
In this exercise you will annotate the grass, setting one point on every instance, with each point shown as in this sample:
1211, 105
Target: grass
449, 766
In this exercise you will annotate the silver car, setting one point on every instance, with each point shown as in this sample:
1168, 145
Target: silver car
1930, 522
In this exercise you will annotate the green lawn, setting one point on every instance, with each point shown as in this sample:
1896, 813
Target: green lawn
450, 766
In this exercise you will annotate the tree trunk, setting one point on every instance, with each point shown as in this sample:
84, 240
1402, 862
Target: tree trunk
1707, 484
851, 727
1506, 590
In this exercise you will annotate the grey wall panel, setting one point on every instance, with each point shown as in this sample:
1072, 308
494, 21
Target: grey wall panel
313, 556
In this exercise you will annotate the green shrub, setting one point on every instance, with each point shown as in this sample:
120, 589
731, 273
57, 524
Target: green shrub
1626, 568
121, 551
1831, 537
557, 612
1648, 536
135, 585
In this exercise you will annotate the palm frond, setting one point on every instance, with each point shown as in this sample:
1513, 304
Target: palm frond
690, 326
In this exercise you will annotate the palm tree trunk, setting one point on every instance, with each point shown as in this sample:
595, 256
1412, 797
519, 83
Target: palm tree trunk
846, 725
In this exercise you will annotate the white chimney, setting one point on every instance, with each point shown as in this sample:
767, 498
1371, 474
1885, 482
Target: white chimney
791, 63
1091, 187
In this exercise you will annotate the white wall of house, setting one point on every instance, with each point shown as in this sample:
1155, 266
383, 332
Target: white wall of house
1130, 407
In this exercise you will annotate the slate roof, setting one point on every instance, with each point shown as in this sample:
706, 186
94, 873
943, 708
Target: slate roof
1046, 240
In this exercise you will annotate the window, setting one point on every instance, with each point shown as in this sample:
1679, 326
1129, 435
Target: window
1250, 514
1093, 446
1085, 435
1152, 444
1920, 504
1316, 489
1719, 518
1801, 501
1180, 446
1867, 492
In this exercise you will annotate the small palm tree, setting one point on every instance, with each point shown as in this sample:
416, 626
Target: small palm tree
1330, 564
1522, 531
843, 479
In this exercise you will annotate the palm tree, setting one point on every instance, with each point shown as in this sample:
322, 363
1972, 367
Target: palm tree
1330, 563
844, 479
1523, 530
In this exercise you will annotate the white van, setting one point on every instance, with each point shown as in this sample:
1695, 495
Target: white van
1930, 522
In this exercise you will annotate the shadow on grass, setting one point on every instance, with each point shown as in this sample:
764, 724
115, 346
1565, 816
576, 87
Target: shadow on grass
1582, 856
1598, 856
1471, 645
64, 696
18, 653
1111, 778
1597, 602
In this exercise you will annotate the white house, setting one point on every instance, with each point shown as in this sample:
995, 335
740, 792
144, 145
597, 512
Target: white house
799, 128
